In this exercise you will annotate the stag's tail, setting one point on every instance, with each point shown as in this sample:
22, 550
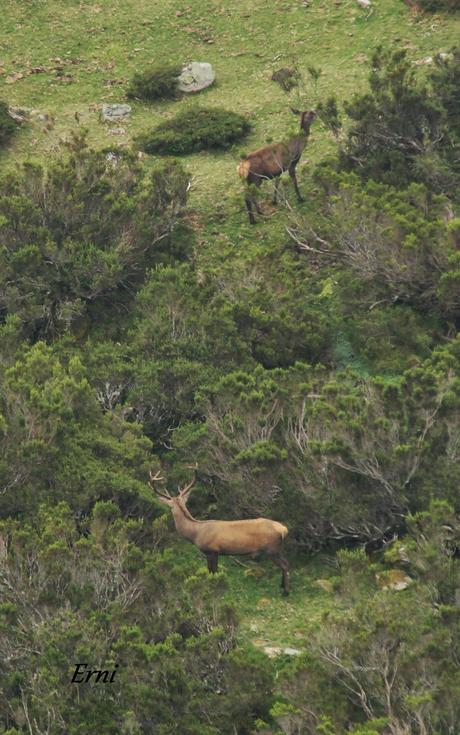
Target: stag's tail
243, 168
282, 530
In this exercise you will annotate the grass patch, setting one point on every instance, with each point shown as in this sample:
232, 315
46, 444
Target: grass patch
195, 129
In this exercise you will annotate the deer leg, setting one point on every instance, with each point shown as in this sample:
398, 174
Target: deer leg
284, 566
256, 200
248, 200
211, 557
276, 191
293, 176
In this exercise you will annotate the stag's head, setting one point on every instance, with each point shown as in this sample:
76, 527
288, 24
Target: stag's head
174, 501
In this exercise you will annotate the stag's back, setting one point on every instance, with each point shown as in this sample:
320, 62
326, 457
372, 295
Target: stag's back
241, 537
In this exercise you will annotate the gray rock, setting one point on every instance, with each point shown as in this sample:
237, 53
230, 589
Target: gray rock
196, 76
19, 114
273, 651
115, 113
291, 651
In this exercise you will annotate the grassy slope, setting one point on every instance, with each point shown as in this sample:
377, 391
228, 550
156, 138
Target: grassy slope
111, 40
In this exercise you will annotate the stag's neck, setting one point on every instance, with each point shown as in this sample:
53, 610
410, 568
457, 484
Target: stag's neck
186, 525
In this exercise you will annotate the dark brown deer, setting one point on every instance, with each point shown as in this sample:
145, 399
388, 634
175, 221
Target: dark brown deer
271, 161
225, 537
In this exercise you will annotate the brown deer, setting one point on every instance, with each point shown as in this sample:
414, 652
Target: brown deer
225, 537
271, 161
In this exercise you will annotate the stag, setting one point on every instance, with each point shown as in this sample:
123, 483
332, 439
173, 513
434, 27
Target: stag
225, 537
270, 162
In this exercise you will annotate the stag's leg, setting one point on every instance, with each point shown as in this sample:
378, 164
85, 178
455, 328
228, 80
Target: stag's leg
284, 566
212, 557
293, 176
276, 191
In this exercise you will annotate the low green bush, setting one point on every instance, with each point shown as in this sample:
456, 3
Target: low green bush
436, 5
161, 82
195, 129
7, 124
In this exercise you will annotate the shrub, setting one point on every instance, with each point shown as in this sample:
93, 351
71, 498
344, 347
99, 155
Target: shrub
7, 124
195, 129
74, 236
435, 5
404, 129
161, 82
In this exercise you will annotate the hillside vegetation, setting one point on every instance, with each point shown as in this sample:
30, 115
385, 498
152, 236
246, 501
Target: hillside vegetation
308, 364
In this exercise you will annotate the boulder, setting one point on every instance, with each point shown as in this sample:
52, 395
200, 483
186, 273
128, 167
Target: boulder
273, 651
114, 113
196, 76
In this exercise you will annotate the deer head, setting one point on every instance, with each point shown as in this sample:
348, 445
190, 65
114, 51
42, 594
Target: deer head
306, 117
165, 497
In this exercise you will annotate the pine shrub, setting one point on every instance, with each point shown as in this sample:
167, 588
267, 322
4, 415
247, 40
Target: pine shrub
439, 5
195, 129
7, 124
161, 82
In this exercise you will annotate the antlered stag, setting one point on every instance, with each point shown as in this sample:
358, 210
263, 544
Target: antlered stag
225, 537
271, 161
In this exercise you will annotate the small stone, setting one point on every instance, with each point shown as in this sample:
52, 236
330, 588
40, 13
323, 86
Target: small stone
116, 131
272, 651
19, 114
364, 3
115, 112
288, 651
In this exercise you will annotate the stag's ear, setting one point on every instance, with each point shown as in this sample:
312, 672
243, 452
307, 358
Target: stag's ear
296, 112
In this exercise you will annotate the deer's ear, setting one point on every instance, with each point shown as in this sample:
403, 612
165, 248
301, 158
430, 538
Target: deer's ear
296, 112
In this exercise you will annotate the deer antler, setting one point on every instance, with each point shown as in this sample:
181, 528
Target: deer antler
188, 487
157, 478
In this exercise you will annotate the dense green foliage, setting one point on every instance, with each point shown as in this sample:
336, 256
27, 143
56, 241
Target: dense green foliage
105, 586
314, 376
403, 130
7, 124
392, 656
439, 5
195, 129
75, 238
161, 82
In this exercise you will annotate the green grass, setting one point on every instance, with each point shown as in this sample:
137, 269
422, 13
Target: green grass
267, 618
